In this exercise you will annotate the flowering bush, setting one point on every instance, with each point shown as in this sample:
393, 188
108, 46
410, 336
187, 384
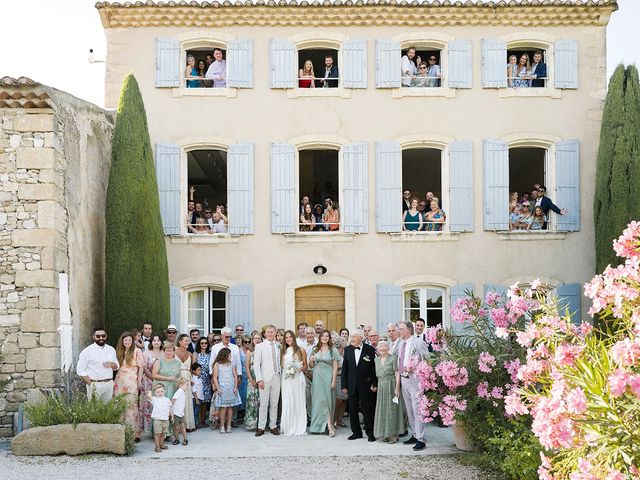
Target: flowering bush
582, 386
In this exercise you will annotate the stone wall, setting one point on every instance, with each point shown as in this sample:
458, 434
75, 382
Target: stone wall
54, 163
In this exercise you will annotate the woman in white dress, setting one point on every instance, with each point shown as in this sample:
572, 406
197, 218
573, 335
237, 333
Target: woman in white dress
294, 409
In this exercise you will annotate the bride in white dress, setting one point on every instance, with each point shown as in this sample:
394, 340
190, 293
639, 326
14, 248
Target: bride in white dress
293, 421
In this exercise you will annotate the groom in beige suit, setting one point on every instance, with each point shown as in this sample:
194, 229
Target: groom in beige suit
266, 365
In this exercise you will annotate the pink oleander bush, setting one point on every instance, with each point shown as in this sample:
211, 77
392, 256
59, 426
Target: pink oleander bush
582, 385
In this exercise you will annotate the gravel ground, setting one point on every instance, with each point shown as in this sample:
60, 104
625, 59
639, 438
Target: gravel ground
440, 467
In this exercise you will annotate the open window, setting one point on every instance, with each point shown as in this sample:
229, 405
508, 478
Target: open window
527, 167
207, 190
421, 67
526, 67
318, 186
426, 303
206, 310
200, 61
318, 68
422, 181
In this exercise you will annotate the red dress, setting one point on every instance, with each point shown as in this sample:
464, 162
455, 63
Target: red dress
304, 83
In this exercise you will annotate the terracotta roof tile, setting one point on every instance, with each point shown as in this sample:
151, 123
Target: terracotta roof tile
23, 92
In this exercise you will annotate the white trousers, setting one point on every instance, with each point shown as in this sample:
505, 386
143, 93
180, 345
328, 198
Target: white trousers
411, 395
104, 390
269, 403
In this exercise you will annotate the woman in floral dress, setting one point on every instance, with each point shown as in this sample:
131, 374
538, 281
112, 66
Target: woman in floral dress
203, 357
149, 357
129, 378
253, 394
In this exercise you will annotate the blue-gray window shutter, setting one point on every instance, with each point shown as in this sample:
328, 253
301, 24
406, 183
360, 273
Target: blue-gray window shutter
284, 207
240, 306
388, 305
388, 187
355, 205
568, 185
566, 64
460, 214
240, 189
494, 63
174, 306
168, 177
388, 66
569, 297
240, 63
354, 61
283, 71
492, 287
167, 62
460, 64
496, 185
456, 293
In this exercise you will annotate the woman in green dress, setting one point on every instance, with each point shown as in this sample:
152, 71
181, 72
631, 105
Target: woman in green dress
324, 362
389, 417
253, 394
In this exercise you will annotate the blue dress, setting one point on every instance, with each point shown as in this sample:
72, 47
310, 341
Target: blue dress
436, 227
193, 83
412, 222
242, 389
226, 397
203, 359
520, 82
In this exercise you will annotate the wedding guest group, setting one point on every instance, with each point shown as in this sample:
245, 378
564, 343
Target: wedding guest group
417, 218
295, 383
530, 211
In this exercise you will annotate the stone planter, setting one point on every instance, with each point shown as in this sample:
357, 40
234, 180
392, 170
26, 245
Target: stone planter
70, 440
461, 440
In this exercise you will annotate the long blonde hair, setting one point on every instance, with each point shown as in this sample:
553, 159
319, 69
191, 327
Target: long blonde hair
304, 69
294, 346
126, 357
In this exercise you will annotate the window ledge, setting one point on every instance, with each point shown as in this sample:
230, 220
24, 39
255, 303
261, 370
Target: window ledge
205, 92
530, 92
208, 238
319, 92
425, 237
529, 235
423, 92
319, 237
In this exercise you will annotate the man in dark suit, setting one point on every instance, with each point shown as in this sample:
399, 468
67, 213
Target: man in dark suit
538, 70
546, 204
359, 381
194, 333
406, 200
330, 71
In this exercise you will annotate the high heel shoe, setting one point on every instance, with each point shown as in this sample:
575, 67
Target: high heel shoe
332, 433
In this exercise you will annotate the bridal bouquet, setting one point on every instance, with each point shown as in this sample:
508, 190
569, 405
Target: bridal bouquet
291, 369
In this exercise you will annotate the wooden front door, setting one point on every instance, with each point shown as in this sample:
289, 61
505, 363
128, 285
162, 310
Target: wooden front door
321, 302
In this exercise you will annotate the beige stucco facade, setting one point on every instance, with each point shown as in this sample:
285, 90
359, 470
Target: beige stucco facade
277, 264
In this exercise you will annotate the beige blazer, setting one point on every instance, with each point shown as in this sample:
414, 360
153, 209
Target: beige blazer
263, 366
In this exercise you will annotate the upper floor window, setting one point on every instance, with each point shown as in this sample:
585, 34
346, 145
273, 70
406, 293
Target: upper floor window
207, 180
206, 68
527, 176
319, 187
526, 68
318, 68
421, 67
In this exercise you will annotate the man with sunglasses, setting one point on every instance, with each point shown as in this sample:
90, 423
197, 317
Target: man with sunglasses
96, 365
546, 204
237, 340
433, 72
172, 333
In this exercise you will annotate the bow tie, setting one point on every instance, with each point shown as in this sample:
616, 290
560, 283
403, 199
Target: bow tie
357, 348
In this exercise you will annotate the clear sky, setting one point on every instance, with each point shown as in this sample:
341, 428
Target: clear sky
53, 45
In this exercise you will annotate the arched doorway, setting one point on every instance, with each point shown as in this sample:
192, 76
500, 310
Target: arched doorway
321, 302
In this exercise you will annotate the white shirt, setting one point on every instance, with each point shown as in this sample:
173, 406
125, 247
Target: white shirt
91, 360
301, 342
197, 388
161, 407
538, 202
217, 71
421, 336
178, 400
407, 351
235, 356
220, 227
357, 352
408, 66
393, 346
145, 342
308, 347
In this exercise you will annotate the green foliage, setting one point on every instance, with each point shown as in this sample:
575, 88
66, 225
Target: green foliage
57, 409
617, 193
137, 282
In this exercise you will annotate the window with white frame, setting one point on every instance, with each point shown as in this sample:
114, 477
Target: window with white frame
526, 67
527, 174
318, 68
421, 67
206, 310
318, 181
422, 185
207, 182
426, 302
205, 68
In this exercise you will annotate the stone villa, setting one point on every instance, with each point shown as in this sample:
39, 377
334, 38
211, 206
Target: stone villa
257, 141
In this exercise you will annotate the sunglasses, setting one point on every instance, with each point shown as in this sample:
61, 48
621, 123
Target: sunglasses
423, 68
216, 340
432, 59
246, 342
239, 329
172, 331
100, 336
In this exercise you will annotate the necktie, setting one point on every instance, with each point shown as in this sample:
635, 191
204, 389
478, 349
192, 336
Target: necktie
273, 357
401, 359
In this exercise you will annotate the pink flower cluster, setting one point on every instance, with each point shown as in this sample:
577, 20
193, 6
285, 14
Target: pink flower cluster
436, 337
461, 311
452, 375
619, 380
626, 352
486, 362
448, 407
512, 368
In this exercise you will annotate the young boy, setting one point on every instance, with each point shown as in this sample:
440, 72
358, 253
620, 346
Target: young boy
160, 414
198, 394
178, 403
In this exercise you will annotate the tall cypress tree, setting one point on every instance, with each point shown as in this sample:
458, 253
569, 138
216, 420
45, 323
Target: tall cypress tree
617, 195
137, 282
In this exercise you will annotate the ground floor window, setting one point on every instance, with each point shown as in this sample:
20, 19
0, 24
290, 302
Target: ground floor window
526, 67
421, 67
527, 172
207, 190
318, 179
200, 61
318, 68
206, 310
426, 303
422, 208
